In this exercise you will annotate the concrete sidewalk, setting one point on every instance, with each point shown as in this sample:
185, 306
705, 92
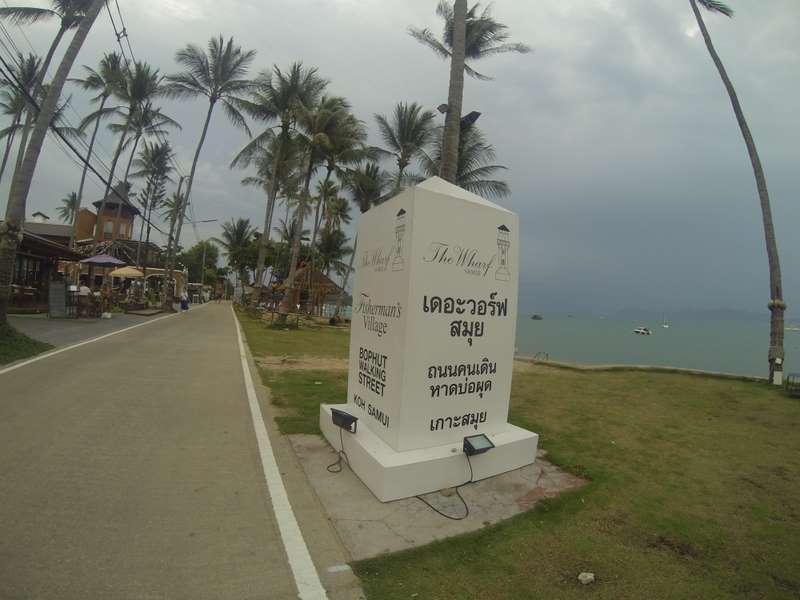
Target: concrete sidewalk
63, 332
130, 470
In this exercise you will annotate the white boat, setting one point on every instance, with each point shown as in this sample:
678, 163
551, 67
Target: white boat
792, 328
642, 331
664, 323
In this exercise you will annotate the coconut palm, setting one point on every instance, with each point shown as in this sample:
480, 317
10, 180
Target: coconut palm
277, 96
13, 101
332, 248
218, 74
483, 36
406, 135
107, 79
69, 14
475, 167
468, 35
11, 228
337, 213
147, 121
318, 124
345, 147
366, 185
235, 238
776, 304
68, 208
141, 84
154, 165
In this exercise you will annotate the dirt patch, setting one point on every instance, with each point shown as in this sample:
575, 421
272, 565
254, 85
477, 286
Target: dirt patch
679, 548
302, 363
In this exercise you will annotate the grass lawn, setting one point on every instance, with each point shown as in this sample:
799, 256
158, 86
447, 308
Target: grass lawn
15, 346
309, 340
693, 493
301, 392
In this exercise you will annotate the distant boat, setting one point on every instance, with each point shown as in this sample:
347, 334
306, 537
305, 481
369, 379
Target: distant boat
642, 331
664, 323
792, 328
537, 317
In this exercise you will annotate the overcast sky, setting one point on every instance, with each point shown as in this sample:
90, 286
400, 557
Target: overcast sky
625, 162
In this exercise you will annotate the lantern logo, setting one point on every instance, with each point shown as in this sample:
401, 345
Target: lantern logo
399, 233
503, 244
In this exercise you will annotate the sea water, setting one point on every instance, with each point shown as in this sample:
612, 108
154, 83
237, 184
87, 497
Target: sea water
724, 346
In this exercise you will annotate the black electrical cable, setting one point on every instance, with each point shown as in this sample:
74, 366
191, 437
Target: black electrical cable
9, 74
336, 467
458, 493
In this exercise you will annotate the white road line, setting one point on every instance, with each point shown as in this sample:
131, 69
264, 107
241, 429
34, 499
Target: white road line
309, 586
79, 344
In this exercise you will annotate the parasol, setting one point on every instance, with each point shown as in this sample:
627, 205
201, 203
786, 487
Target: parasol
129, 272
103, 260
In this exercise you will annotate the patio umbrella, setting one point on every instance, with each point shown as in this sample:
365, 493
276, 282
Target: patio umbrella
126, 272
102, 260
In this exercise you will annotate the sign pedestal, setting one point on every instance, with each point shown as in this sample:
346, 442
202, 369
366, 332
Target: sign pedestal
432, 343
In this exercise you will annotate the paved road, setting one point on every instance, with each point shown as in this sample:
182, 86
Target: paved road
129, 469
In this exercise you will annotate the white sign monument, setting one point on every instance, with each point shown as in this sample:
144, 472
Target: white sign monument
432, 343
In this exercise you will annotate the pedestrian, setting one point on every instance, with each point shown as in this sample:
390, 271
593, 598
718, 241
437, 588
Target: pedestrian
184, 302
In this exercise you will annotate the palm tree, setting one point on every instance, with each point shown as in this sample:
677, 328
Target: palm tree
69, 208
366, 185
154, 165
235, 239
277, 96
13, 102
337, 213
468, 35
406, 135
217, 73
106, 80
474, 168
146, 121
11, 228
332, 248
69, 13
776, 305
286, 231
318, 124
140, 85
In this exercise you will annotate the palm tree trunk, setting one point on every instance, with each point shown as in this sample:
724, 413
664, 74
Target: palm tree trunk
271, 198
321, 202
343, 291
85, 169
10, 143
145, 204
109, 183
286, 301
185, 201
146, 244
11, 229
448, 168
125, 180
776, 304
400, 170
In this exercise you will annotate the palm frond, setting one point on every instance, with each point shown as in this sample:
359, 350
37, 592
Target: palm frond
717, 7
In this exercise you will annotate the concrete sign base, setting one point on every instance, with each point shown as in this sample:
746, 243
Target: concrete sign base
392, 475
432, 342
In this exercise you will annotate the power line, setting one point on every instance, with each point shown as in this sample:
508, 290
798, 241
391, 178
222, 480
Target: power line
16, 57
124, 34
9, 74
